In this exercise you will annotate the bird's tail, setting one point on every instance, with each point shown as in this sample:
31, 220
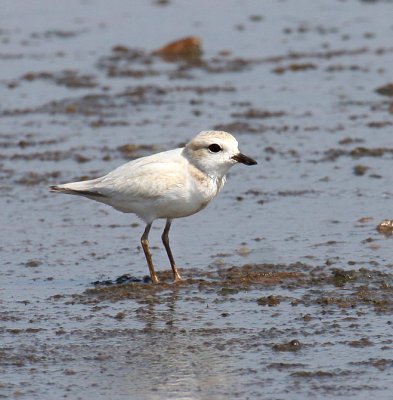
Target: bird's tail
83, 188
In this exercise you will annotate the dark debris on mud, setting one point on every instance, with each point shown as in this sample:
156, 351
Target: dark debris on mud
69, 78
322, 286
356, 153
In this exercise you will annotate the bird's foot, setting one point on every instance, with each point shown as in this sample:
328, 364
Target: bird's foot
177, 278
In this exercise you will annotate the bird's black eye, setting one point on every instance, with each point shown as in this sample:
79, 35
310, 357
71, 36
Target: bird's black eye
215, 148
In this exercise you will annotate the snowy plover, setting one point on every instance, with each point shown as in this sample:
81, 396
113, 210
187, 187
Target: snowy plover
172, 184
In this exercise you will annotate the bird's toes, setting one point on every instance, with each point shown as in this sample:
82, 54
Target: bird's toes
177, 278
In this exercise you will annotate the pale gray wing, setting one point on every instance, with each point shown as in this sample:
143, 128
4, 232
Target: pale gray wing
147, 181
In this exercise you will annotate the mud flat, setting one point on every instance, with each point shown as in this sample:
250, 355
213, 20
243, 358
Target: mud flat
288, 274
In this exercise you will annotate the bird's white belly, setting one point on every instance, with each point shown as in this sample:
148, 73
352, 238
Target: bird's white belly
178, 208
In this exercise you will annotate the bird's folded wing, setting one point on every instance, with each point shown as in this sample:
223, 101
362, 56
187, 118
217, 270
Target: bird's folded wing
144, 180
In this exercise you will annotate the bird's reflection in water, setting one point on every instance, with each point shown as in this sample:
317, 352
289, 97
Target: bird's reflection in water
174, 362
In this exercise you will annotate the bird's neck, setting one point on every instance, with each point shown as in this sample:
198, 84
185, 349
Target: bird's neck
214, 172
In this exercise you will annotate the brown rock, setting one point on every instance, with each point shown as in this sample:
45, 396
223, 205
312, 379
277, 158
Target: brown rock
186, 48
386, 90
386, 227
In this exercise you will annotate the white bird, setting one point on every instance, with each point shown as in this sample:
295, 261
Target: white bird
171, 184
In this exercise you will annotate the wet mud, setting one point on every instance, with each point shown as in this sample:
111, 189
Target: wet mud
287, 290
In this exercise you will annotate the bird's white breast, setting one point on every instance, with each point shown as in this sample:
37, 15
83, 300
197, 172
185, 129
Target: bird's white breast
196, 192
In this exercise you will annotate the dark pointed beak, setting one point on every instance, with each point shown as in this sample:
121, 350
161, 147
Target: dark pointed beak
241, 158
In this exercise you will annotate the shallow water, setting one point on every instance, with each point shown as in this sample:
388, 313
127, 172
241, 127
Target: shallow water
295, 82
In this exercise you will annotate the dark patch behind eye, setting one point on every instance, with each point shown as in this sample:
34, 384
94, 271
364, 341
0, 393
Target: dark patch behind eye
215, 148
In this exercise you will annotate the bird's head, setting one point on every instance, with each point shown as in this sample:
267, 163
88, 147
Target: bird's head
214, 152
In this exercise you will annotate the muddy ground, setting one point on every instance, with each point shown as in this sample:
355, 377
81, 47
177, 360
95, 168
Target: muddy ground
288, 273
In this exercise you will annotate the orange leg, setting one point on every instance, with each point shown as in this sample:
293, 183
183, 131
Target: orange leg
165, 240
146, 249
